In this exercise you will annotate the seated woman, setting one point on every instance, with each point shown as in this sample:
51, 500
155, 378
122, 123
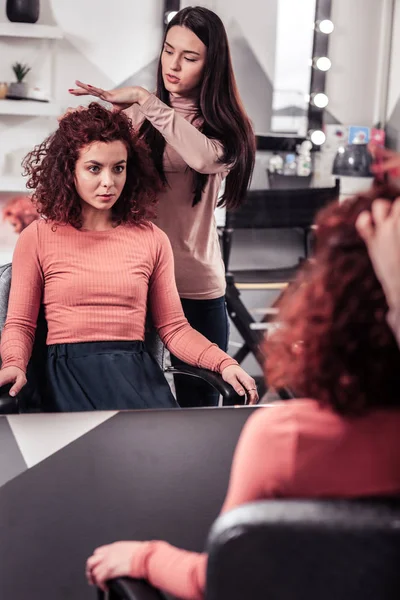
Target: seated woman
97, 263
336, 349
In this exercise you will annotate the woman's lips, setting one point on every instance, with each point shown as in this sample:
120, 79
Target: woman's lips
173, 79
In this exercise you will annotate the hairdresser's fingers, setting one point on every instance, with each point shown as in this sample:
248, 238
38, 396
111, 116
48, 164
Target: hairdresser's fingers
365, 225
78, 92
395, 214
85, 89
90, 88
380, 210
387, 165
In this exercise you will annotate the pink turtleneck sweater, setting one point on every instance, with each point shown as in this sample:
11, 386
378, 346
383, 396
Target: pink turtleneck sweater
192, 231
295, 449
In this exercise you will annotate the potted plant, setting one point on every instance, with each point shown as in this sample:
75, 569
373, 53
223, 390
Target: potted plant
18, 89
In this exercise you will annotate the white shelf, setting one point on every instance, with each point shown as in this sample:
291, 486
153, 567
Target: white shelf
13, 184
29, 108
30, 30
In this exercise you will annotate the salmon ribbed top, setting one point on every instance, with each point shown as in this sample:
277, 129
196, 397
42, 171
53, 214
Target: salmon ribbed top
95, 286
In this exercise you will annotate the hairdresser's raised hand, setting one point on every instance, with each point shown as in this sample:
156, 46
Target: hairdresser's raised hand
385, 161
120, 99
380, 229
13, 375
241, 382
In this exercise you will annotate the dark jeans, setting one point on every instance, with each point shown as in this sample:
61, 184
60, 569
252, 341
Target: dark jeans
210, 318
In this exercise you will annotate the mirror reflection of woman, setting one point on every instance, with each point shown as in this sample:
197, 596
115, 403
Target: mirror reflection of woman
340, 437
199, 135
97, 263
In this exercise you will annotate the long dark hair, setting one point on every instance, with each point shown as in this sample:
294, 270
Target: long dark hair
220, 106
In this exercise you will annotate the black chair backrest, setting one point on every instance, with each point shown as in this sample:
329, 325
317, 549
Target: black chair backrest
265, 209
306, 550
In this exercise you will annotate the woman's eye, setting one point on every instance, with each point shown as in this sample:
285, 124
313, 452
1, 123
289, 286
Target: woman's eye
190, 59
94, 169
167, 51
119, 169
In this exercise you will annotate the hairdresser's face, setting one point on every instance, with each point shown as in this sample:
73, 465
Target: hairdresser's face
100, 174
183, 59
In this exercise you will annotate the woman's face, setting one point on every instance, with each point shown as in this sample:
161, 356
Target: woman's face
183, 59
100, 174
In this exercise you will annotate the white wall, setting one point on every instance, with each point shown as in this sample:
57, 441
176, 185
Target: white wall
354, 50
104, 43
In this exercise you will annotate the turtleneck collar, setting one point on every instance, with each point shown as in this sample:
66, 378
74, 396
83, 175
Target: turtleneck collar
185, 104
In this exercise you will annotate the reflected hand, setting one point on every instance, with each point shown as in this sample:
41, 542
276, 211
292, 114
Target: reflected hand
385, 161
120, 99
380, 230
241, 382
13, 375
108, 562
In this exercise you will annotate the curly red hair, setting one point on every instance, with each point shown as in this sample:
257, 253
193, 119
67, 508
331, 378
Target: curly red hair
333, 342
51, 167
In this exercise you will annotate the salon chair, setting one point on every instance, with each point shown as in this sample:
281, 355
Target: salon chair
298, 550
33, 395
268, 209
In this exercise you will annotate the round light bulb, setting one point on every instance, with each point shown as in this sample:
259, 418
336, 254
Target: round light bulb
317, 137
170, 15
322, 63
320, 100
325, 26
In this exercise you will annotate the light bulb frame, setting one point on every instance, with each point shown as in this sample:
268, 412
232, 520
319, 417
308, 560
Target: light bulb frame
317, 59
318, 26
318, 77
319, 100
310, 135
169, 7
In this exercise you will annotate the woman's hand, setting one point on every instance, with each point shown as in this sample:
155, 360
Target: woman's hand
241, 382
380, 230
108, 562
385, 161
120, 99
13, 375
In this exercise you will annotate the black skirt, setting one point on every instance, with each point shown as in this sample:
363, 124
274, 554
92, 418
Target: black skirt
105, 376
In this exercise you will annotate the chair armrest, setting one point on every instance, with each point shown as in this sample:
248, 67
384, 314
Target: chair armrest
229, 396
133, 589
8, 404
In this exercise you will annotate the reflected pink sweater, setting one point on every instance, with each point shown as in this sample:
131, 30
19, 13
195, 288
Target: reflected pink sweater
95, 286
295, 449
192, 230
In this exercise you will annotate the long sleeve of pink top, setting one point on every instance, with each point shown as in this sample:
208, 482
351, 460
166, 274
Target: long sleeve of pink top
200, 153
295, 449
96, 286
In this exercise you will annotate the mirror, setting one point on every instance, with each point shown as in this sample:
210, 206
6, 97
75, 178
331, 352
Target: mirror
271, 52
271, 45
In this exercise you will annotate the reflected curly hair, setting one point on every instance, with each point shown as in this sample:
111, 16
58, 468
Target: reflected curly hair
333, 343
51, 168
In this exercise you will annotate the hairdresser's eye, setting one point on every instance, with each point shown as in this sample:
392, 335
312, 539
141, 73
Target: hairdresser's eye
119, 169
191, 59
94, 169
167, 51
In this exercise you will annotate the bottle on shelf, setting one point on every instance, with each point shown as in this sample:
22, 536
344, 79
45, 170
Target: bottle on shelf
304, 163
275, 164
290, 166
